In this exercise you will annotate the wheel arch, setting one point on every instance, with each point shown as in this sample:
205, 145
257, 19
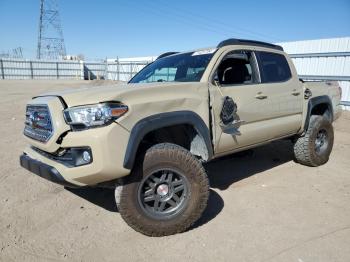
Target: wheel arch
152, 123
320, 105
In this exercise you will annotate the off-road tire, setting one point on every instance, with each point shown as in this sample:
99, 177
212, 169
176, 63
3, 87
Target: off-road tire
305, 146
168, 157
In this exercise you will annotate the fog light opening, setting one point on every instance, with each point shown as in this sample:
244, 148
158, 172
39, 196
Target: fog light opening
86, 156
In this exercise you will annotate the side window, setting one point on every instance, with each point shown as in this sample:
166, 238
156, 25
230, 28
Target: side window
161, 75
195, 73
237, 67
273, 67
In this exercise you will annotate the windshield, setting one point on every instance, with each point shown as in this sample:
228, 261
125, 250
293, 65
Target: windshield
185, 67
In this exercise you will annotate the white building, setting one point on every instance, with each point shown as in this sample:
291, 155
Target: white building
323, 59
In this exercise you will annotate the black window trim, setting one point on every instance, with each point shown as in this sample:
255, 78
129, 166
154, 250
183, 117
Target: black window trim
255, 68
174, 54
275, 53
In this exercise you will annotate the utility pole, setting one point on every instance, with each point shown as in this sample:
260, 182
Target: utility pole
50, 39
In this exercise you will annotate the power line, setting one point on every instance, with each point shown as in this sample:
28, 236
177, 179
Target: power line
209, 23
220, 22
180, 19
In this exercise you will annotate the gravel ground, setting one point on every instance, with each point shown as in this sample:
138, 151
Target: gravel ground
263, 206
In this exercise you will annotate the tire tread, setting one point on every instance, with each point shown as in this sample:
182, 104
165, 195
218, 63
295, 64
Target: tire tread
183, 156
303, 151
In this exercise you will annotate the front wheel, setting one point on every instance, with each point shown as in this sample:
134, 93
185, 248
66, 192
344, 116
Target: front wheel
314, 148
165, 193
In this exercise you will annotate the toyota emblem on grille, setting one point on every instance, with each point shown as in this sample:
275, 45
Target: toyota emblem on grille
38, 123
34, 119
37, 120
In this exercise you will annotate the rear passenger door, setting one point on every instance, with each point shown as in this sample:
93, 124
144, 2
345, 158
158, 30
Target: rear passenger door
283, 93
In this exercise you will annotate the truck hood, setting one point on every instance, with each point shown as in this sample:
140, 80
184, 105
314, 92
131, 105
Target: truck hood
96, 94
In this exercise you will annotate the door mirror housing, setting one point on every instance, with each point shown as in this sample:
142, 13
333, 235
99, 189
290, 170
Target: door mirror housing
216, 80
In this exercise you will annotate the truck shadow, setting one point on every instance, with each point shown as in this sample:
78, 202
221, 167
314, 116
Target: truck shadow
102, 197
222, 173
227, 170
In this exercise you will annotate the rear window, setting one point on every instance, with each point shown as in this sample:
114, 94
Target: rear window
273, 67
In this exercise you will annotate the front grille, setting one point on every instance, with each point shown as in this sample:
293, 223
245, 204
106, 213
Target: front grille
38, 124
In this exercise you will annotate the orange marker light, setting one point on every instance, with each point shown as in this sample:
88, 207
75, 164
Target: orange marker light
116, 112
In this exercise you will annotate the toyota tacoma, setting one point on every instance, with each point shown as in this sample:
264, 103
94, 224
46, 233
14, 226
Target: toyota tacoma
149, 139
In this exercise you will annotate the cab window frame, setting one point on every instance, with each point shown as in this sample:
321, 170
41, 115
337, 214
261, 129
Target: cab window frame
178, 71
261, 69
254, 67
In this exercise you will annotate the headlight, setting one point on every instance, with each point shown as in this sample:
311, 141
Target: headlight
82, 117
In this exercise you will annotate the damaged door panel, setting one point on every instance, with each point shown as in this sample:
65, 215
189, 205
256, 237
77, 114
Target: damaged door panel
230, 121
237, 114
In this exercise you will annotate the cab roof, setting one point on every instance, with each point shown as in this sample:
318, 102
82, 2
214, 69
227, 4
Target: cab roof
231, 41
234, 41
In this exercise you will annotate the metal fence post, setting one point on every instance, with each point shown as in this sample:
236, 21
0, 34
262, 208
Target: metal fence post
82, 76
2, 69
130, 70
57, 74
118, 69
106, 69
31, 69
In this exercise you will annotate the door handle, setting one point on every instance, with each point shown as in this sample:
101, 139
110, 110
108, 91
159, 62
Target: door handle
260, 95
295, 92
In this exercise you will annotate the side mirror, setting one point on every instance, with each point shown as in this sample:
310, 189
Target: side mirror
216, 80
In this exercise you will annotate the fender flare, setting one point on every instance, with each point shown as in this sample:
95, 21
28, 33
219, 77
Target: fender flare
154, 122
317, 101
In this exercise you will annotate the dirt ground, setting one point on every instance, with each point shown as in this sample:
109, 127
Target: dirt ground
263, 206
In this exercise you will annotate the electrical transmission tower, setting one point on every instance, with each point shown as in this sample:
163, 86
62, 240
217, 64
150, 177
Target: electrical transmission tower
50, 41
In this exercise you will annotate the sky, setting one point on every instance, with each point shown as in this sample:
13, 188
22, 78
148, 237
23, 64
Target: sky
113, 28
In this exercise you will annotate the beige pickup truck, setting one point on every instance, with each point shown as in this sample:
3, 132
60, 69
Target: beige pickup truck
148, 139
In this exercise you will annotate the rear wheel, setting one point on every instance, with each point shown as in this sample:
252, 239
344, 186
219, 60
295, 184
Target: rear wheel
165, 193
314, 148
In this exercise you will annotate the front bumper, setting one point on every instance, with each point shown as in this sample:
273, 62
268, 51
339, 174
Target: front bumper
43, 170
108, 146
